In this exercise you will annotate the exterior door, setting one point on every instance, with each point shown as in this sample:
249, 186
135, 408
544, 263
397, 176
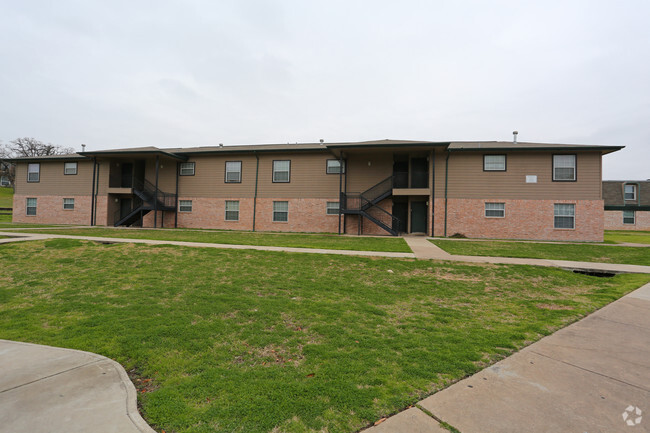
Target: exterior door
418, 217
419, 173
125, 207
127, 175
401, 212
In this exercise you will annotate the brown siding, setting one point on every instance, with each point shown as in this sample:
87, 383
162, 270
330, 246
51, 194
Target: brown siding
308, 177
209, 178
53, 181
362, 176
468, 180
166, 174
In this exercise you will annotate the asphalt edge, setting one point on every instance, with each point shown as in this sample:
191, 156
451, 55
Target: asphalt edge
131, 394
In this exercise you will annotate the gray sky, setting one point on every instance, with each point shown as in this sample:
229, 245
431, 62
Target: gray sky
193, 73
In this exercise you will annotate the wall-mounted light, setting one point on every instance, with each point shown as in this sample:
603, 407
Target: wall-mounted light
368, 163
117, 200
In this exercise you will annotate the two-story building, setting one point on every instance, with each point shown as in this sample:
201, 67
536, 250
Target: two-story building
627, 204
478, 189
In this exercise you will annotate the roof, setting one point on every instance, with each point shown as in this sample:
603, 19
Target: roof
613, 194
67, 156
182, 153
523, 146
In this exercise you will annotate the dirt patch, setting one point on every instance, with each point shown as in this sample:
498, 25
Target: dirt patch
554, 307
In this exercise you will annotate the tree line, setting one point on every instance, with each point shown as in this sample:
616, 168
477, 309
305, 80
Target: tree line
26, 147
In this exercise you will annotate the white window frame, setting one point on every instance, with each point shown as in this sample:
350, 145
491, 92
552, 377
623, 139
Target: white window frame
494, 162
231, 207
185, 206
31, 171
564, 211
238, 172
187, 169
332, 208
70, 168
28, 207
498, 210
277, 171
4, 181
278, 209
565, 161
334, 166
631, 185
68, 204
633, 217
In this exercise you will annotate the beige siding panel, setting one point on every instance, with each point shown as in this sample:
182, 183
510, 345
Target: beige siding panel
209, 177
468, 180
308, 178
53, 181
166, 174
362, 176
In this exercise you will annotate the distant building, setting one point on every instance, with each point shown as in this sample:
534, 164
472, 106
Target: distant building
627, 204
478, 189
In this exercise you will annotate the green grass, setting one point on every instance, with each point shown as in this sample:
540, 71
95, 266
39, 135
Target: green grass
576, 252
6, 197
252, 341
250, 238
632, 236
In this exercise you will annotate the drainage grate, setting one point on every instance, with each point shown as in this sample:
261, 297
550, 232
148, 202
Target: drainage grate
594, 273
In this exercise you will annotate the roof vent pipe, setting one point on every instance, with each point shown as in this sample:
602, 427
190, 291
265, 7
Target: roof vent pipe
514, 137
322, 141
220, 144
83, 147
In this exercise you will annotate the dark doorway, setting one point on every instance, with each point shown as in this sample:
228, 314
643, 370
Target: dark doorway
125, 207
418, 217
127, 175
419, 173
401, 171
401, 212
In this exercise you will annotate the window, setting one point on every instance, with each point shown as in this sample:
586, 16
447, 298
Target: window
281, 171
628, 217
31, 206
630, 192
495, 210
68, 204
33, 172
280, 211
564, 167
332, 208
187, 169
565, 215
232, 210
334, 166
185, 205
494, 163
233, 171
70, 168
4, 181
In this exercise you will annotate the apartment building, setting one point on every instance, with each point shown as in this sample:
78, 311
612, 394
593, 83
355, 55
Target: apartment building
627, 204
384, 187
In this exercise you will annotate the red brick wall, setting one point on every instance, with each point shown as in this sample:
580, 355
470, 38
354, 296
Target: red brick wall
369, 227
614, 220
49, 210
525, 219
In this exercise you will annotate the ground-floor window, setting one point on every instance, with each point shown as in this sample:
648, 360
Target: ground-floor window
31, 206
332, 208
628, 217
495, 210
68, 204
565, 216
232, 210
185, 205
280, 211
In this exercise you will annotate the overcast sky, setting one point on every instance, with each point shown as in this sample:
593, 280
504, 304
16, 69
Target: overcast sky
117, 74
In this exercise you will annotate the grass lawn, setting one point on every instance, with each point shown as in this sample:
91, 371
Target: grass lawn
578, 252
253, 341
250, 238
6, 197
621, 236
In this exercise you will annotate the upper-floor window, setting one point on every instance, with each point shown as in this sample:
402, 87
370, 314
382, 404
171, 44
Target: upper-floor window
334, 166
33, 172
564, 167
281, 171
233, 171
494, 163
186, 169
630, 191
70, 168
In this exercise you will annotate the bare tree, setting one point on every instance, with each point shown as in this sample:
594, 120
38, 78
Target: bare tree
26, 147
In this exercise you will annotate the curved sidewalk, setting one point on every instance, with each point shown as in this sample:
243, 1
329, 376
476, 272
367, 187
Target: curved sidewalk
44, 388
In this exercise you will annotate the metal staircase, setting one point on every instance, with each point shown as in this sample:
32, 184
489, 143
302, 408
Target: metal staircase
368, 201
146, 198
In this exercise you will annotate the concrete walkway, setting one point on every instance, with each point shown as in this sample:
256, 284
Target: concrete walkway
421, 247
583, 378
55, 390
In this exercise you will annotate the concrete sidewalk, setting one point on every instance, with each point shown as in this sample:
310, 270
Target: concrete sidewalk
55, 390
592, 376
